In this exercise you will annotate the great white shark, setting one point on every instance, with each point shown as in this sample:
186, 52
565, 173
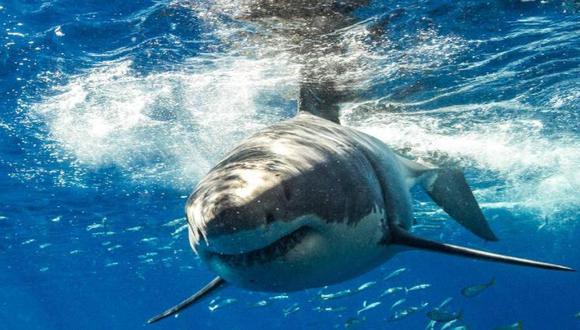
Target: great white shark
308, 202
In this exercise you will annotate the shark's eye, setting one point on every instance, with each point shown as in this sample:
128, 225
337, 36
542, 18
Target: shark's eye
269, 218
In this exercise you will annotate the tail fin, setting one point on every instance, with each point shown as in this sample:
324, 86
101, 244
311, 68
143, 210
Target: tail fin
402, 237
211, 286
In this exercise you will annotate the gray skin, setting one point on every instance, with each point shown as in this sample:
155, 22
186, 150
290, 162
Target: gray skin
303, 203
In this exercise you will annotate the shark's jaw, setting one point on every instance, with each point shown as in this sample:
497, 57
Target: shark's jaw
270, 252
284, 264
305, 253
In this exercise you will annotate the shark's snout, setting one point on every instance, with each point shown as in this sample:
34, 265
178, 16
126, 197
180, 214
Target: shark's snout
248, 213
242, 229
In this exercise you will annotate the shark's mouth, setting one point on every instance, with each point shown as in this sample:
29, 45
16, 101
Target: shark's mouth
275, 250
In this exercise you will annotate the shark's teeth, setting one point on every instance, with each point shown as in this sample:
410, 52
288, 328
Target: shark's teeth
264, 255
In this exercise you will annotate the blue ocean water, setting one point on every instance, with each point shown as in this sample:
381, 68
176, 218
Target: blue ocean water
113, 110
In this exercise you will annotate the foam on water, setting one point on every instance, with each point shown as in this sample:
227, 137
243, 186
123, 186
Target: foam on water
168, 127
535, 171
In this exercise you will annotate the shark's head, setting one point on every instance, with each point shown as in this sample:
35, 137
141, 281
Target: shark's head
265, 223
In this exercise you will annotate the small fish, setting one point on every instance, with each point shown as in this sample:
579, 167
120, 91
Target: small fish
443, 316
393, 290
261, 303
445, 302
395, 273
419, 287
353, 321
367, 307
398, 302
474, 290
365, 286
215, 304
279, 297
94, 226
577, 315
401, 314
336, 295
515, 326
448, 325
291, 309
431, 325
228, 301
329, 309
58, 31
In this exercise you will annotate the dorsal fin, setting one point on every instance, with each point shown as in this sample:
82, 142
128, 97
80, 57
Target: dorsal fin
320, 99
402, 237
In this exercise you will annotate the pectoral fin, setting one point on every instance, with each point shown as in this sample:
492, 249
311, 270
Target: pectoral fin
211, 286
402, 237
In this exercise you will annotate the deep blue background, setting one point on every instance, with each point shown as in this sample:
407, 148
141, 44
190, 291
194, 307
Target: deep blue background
89, 243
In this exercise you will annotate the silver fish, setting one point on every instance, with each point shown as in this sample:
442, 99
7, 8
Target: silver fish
394, 273
431, 325
291, 309
419, 287
445, 302
448, 325
516, 326
336, 295
398, 302
366, 306
261, 303
329, 309
393, 290
366, 286
214, 304
401, 314
474, 290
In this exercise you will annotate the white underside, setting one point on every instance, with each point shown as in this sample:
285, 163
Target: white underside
331, 252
